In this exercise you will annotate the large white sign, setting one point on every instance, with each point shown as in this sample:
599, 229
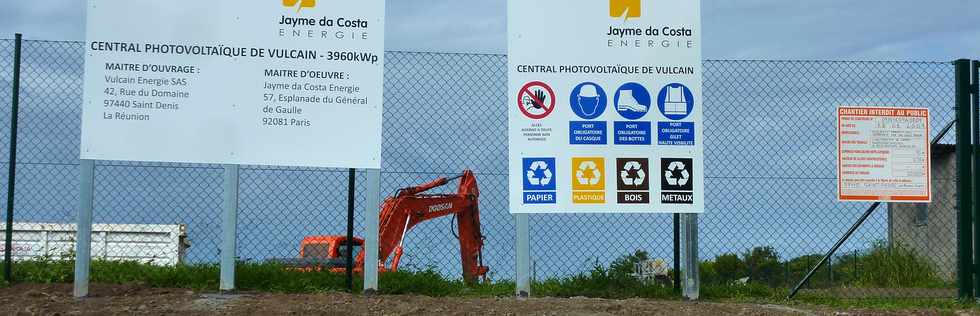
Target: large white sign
605, 106
272, 82
883, 154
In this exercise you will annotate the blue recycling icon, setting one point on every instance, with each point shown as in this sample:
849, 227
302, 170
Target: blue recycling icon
539, 174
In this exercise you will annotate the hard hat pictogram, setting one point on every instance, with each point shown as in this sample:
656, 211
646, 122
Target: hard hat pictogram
589, 91
588, 100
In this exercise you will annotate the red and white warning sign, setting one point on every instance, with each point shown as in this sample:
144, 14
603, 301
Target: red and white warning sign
883, 154
536, 100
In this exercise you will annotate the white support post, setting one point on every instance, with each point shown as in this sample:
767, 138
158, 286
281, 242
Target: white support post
83, 237
689, 240
523, 256
372, 206
229, 228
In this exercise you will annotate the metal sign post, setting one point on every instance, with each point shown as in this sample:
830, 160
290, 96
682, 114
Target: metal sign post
12, 167
372, 208
523, 255
229, 228
83, 234
689, 236
349, 251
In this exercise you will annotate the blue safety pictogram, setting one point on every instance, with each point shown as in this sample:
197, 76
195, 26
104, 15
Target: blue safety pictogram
588, 100
632, 101
675, 101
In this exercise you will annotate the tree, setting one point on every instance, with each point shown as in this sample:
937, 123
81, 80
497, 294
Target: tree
624, 266
729, 267
763, 265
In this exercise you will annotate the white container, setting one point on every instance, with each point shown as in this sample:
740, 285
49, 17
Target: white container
163, 245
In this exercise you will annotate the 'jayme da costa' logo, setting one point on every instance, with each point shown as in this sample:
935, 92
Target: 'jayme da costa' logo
299, 4
627, 34
322, 27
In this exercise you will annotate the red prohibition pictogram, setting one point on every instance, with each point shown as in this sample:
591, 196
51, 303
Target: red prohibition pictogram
536, 100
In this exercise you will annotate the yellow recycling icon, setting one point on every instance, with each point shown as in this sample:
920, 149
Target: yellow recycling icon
589, 180
301, 3
624, 9
588, 174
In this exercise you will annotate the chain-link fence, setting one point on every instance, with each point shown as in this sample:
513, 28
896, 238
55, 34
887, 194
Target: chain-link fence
770, 174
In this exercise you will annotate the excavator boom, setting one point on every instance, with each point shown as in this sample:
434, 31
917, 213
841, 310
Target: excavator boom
410, 207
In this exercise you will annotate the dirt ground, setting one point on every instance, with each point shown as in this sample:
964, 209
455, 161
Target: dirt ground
56, 299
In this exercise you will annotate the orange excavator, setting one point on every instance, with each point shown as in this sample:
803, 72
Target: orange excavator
400, 213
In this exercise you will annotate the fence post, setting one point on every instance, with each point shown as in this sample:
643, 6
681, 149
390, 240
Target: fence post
8, 249
349, 250
372, 207
787, 274
830, 271
975, 109
83, 229
523, 255
857, 267
677, 253
964, 182
975, 118
692, 279
229, 228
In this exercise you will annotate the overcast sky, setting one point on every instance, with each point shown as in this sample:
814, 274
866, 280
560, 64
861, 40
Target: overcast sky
933, 30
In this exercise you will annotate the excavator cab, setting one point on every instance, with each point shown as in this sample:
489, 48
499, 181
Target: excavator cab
328, 247
318, 253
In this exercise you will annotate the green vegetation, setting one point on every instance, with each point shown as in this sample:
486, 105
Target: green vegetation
756, 273
266, 277
895, 267
755, 276
886, 304
3, 283
603, 283
879, 267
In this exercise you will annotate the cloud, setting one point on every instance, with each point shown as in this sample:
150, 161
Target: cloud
477, 26
838, 29
46, 20
744, 29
